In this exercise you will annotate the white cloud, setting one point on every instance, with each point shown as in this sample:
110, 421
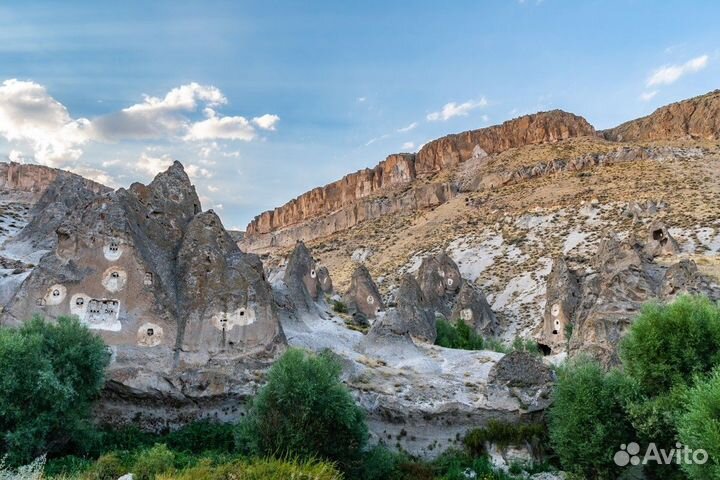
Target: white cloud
408, 146
29, 116
376, 139
647, 96
360, 99
225, 128
671, 73
95, 174
213, 189
485, 118
195, 171
453, 109
412, 126
266, 122
153, 165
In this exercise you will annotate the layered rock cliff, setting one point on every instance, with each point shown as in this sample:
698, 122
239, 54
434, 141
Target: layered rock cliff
35, 179
371, 193
696, 118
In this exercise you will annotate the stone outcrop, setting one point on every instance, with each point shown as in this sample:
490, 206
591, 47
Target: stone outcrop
326, 284
372, 193
623, 277
301, 278
697, 117
440, 281
412, 316
562, 298
363, 296
472, 307
35, 179
543, 127
168, 290
660, 242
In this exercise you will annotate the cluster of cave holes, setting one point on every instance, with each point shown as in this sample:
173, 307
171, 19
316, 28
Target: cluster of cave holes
102, 306
114, 247
659, 236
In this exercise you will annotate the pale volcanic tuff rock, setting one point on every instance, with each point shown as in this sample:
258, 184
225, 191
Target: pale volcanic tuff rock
472, 307
301, 279
412, 316
169, 291
35, 179
440, 281
695, 117
363, 297
562, 298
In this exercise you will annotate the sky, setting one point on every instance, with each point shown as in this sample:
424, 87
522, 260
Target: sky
262, 101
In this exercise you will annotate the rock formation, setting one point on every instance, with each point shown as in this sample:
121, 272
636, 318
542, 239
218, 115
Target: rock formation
472, 307
301, 278
363, 296
440, 281
372, 193
325, 280
412, 316
660, 242
695, 118
165, 286
563, 296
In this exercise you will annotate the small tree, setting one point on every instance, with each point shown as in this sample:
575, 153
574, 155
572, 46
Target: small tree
587, 419
699, 427
49, 374
305, 411
668, 344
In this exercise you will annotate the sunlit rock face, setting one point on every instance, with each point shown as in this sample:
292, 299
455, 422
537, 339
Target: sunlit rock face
167, 289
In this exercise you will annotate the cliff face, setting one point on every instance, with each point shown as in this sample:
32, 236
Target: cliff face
696, 118
370, 193
35, 179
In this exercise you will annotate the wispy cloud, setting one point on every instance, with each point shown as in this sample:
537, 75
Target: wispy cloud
671, 73
376, 139
453, 109
647, 96
412, 126
408, 146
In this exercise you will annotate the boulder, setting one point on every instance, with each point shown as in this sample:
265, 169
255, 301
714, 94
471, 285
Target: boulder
472, 307
363, 295
527, 378
440, 281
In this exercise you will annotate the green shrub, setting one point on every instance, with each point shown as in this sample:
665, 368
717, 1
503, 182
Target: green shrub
504, 434
69, 466
459, 336
668, 344
526, 345
588, 419
379, 463
152, 462
305, 411
699, 427
107, 467
49, 374
202, 436
339, 306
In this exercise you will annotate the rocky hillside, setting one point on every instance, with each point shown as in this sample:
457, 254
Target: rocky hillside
694, 118
399, 183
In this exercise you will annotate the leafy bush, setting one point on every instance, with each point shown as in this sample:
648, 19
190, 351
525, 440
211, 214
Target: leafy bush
526, 345
588, 419
152, 462
504, 434
107, 467
305, 411
668, 344
699, 427
339, 306
459, 335
49, 374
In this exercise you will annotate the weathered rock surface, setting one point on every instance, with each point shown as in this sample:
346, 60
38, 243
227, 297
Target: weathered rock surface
363, 296
301, 278
623, 278
472, 307
169, 291
440, 281
325, 280
695, 117
412, 316
372, 193
563, 296
660, 242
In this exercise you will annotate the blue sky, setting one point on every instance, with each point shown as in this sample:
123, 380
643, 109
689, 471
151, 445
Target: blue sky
264, 100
